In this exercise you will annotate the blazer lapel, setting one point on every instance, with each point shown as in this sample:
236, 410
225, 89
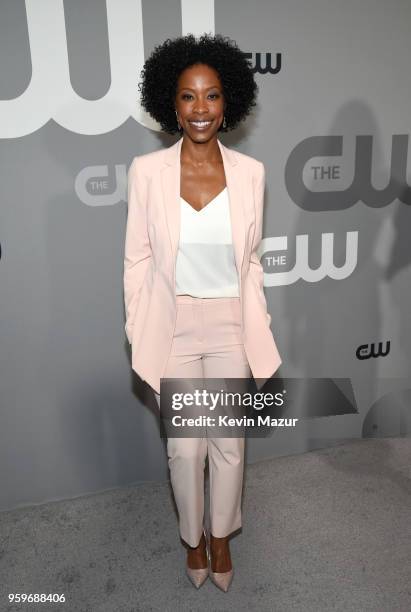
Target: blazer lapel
170, 181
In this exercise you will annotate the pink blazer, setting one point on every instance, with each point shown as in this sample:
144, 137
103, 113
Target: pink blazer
151, 245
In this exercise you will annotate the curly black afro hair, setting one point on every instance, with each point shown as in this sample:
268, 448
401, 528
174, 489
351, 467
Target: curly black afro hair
165, 64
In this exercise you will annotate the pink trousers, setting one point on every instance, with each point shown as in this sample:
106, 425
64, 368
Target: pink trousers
207, 343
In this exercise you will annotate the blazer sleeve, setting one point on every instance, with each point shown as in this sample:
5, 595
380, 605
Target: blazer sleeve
137, 250
256, 268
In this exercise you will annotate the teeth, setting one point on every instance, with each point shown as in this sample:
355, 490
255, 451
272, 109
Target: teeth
200, 123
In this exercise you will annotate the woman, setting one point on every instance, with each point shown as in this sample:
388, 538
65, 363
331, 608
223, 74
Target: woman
193, 283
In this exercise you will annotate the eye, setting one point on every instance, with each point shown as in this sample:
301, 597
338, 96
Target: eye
187, 95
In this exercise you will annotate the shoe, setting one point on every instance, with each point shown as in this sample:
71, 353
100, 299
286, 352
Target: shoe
198, 576
221, 579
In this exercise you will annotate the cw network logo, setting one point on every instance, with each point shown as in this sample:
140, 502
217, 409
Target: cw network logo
268, 68
367, 351
92, 185
270, 248
50, 95
360, 189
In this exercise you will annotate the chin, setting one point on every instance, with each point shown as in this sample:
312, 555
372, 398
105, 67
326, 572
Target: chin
201, 136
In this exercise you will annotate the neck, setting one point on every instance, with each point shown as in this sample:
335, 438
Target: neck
198, 153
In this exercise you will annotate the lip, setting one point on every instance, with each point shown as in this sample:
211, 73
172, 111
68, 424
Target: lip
201, 128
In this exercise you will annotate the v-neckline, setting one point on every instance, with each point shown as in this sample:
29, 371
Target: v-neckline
207, 205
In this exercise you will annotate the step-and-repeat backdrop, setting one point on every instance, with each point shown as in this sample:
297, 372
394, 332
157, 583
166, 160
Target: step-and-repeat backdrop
332, 128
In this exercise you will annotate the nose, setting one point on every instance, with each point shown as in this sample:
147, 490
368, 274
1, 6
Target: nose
200, 106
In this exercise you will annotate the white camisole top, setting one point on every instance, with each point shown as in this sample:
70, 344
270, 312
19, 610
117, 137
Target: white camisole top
205, 265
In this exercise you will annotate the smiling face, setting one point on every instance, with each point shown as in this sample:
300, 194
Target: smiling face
200, 102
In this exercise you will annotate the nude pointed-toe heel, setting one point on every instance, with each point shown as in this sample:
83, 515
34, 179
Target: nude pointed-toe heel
221, 579
198, 576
